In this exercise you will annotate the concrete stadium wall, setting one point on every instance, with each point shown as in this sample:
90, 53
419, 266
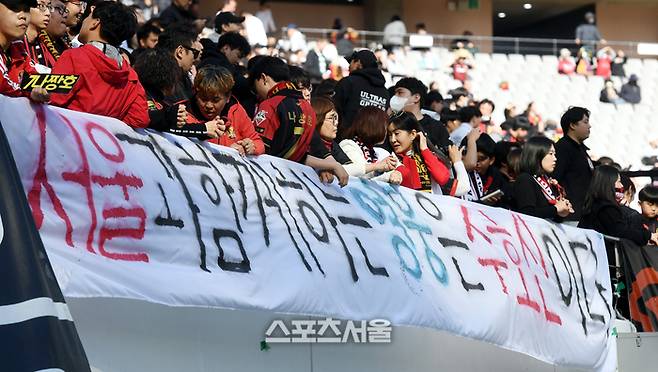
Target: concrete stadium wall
628, 21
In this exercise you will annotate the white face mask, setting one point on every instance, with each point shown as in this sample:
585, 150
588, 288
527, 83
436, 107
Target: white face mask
397, 103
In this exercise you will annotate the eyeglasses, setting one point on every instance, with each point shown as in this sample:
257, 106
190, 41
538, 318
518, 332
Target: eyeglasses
81, 4
195, 52
61, 10
45, 7
333, 117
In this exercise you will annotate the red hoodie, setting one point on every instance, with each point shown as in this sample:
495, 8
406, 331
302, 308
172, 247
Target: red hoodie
103, 87
14, 63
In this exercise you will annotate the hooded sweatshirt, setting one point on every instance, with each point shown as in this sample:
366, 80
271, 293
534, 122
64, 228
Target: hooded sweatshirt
104, 87
364, 87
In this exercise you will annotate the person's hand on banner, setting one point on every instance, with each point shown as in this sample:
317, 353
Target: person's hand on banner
248, 145
40, 95
341, 173
181, 117
654, 238
240, 148
395, 178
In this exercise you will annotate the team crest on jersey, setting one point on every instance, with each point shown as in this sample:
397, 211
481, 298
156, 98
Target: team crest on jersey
260, 117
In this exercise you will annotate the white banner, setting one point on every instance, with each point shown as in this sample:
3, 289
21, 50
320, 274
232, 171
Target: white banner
161, 218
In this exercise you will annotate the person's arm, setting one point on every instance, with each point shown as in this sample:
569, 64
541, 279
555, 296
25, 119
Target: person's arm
471, 158
137, 114
65, 66
612, 221
242, 124
352, 150
328, 165
162, 119
526, 199
463, 184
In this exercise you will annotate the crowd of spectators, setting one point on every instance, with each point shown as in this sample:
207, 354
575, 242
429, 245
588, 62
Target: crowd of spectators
296, 100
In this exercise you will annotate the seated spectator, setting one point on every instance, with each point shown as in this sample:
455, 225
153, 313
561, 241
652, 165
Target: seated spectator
179, 41
609, 94
601, 210
409, 97
630, 92
284, 120
107, 85
584, 64
617, 66
604, 59
460, 69
368, 131
519, 130
433, 105
470, 118
535, 192
316, 64
566, 65
504, 152
649, 205
39, 19
421, 169
486, 107
534, 118
213, 102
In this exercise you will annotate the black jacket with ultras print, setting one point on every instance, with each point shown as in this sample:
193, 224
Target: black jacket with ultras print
364, 87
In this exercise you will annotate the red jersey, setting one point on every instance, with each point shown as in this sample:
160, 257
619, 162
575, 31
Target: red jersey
418, 171
238, 124
13, 65
285, 122
103, 88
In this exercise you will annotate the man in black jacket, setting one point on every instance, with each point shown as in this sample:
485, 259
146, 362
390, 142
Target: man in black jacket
229, 50
177, 12
364, 87
574, 167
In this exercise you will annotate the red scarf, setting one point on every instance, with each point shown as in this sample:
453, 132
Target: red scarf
549, 187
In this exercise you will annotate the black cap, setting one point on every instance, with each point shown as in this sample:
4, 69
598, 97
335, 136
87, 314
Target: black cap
365, 56
225, 18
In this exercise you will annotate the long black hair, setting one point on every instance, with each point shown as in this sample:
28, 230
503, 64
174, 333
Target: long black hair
407, 122
532, 155
602, 187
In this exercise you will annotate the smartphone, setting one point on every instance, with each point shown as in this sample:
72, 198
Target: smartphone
493, 194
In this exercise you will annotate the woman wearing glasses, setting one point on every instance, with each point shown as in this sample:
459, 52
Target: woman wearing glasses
52, 39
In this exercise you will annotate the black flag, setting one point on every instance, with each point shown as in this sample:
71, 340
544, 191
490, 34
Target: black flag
36, 328
641, 268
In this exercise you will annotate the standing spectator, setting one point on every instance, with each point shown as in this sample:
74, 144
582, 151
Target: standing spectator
394, 33
649, 206
285, 121
179, 42
39, 19
433, 104
604, 59
618, 64
316, 64
364, 87
574, 166
609, 94
485, 178
587, 34
460, 69
254, 29
52, 39
470, 118
225, 22
324, 143
264, 13
107, 85
409, 97
535, 192
76, 9
566, 65
630, 91
177, 12
296, 40
302, 81
147, 36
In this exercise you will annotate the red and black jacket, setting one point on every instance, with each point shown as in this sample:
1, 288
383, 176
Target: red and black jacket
285, 122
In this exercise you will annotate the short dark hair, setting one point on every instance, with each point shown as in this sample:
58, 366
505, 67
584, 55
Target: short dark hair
117, 21
157, 70
273, 67
466, 114
485, 101
147, 29
572, 116
521, 122
433, 96
533, 153
175, 36
369, 125
449, 115
502, 149
415, 86
602, 186
326, 88
649, 193
234, 41
299, 77
486, 145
